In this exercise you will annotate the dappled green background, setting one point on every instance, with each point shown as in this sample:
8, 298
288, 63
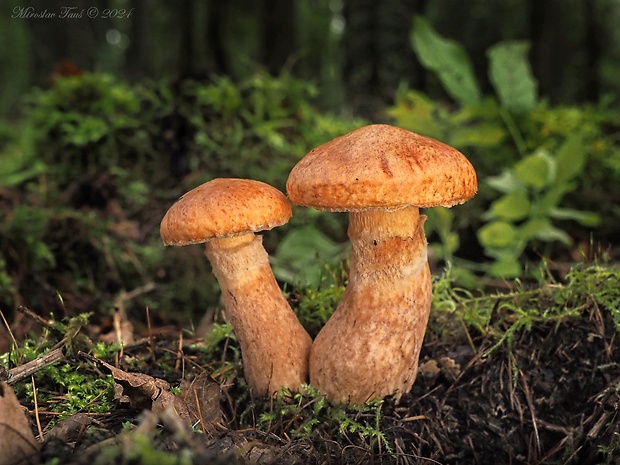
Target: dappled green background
107, 121
357, 51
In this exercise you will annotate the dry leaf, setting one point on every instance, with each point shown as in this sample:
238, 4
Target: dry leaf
429, 370
450, 368
202, 396
123, 334
125, 229
18, 445
71, 429
145, 392
167, 399
123, 331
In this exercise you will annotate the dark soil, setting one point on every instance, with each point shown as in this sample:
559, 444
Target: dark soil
552, 396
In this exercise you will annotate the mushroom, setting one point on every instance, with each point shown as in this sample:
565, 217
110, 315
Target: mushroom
225, 214
381, 175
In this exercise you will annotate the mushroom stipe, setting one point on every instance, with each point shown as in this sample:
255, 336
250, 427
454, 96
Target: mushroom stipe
224, 214
381, 174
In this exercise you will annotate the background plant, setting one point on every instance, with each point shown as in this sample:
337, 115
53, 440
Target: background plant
533, 190
95, 163
549, 152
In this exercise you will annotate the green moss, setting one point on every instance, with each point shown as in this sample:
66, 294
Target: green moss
309, 416
502, 315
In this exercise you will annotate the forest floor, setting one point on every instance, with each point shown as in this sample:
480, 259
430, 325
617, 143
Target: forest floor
550, 395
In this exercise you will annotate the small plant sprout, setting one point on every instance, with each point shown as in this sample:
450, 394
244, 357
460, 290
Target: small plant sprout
381, 175
224, 214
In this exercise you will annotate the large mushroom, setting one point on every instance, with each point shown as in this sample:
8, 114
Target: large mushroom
224, 214
381, 175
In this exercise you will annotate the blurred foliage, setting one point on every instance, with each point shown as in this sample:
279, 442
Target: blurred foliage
90, 171
448, 60
256, 129
535, 155
90, 123
533, 190
356, 51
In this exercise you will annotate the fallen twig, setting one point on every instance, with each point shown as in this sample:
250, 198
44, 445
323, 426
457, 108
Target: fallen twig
42, 321
16, 374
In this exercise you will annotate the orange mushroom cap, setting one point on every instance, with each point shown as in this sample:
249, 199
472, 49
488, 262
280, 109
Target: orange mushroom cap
224, 207
381, 167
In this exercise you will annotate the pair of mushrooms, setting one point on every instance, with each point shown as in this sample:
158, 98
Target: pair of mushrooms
370, 346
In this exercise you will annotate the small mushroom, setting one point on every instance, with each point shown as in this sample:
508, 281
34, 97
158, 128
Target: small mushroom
225, 214
382, 175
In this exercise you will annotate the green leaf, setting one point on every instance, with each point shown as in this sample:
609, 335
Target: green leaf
553, 234
506, 267
440, 220
535, 170
571, 158
542, 229
303, 254
511, 76
18, 168
530, 229
223, 95
448, 59
552, 198
478, 135
416, 112
506, 182
588, 219
87, 130
511, 207
498, 235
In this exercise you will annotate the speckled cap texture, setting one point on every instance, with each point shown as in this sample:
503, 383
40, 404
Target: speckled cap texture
381, 167
224, 207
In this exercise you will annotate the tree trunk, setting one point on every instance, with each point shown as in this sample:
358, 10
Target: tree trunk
185, 11
279, 38
593, 49
559, 55
138, 61
62, 39
378, 52
216, 17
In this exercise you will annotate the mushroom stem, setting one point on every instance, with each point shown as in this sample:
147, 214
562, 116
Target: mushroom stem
371, 344
274, 345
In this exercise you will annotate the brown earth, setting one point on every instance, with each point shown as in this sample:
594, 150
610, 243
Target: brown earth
551, 396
